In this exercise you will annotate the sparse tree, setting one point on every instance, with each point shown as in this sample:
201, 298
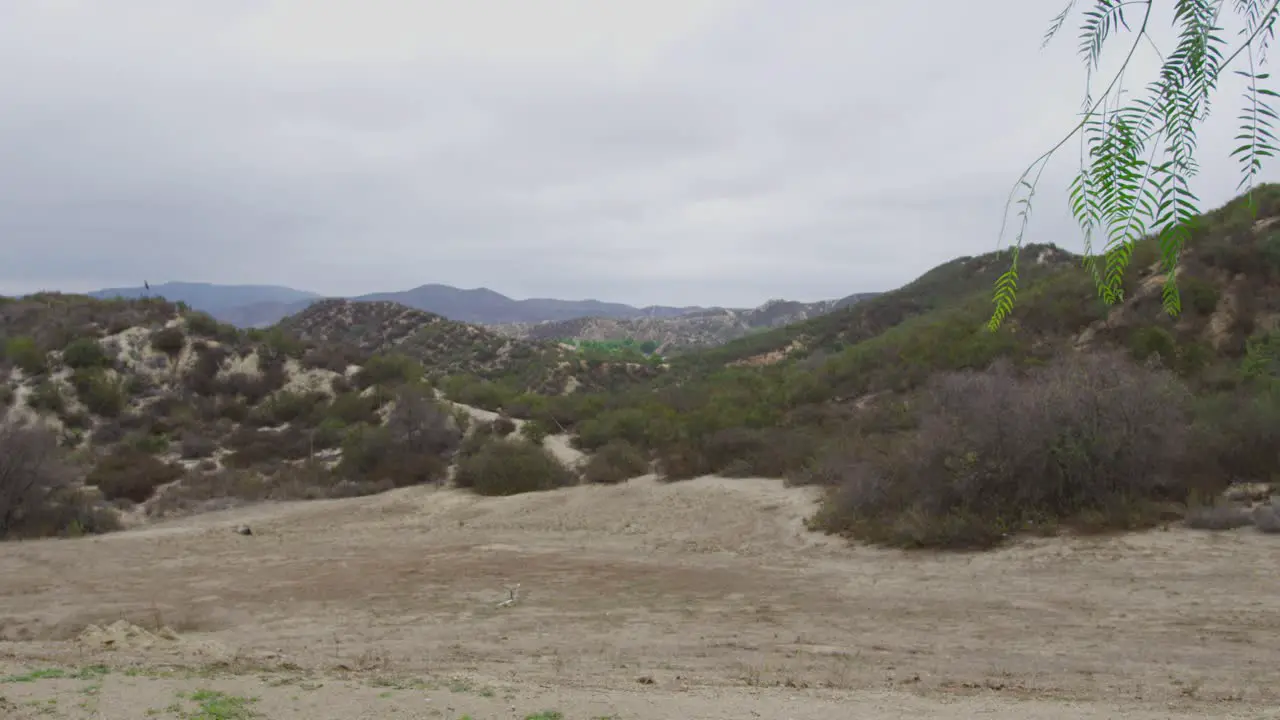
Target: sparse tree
31, 470
1137, 149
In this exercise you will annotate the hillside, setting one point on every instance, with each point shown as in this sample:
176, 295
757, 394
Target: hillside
910, 389
154, 411
445, 347
695, 329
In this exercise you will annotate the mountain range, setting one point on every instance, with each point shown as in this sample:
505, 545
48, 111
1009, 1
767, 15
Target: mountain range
262, 305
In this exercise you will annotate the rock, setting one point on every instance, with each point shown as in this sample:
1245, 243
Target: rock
1247, 493
244, 530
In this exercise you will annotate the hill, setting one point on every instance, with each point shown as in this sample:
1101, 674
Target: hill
135, 408
680, 333
445, 347
931, 430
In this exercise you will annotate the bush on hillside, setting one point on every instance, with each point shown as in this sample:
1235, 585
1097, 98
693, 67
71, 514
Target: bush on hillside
511, 467
413, 448
388, 370
535, 431
101, 394
26, 355
1088, 438
47, 397
169, 341
32, 469
85, 353
615, 462
131, 474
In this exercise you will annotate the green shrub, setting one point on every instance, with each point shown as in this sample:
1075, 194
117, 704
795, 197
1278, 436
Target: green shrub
85, 353
47, 397
352, 408
1152, 340
615, 462
1198, 295
148, 443
535, 431
101, 394
510, 467
169, 341
388, 370
203, 324
27, 355
131, 474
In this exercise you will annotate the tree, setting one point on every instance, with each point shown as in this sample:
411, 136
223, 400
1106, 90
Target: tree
1137, 156
31, 470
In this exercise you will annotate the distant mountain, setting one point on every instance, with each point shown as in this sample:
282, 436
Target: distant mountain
485, 307
261, 305
214, 299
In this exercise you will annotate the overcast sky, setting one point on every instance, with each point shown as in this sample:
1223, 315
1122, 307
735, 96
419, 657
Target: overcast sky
643, 151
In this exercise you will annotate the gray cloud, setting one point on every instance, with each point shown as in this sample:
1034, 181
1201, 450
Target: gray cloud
708, 151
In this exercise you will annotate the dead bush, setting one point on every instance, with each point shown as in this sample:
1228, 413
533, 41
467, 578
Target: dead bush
131, 474
615, 462
510, 467
1090, 435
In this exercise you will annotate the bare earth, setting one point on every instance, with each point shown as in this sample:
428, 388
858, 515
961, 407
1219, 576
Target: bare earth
701, 599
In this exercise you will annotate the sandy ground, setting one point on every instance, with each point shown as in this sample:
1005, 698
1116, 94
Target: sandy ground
701, 599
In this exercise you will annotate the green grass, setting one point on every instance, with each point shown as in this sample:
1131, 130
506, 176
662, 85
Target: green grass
214, 705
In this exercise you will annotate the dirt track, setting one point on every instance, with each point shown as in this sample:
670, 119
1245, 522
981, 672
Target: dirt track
702, 599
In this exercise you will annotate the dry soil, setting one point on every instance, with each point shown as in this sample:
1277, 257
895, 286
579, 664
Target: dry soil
700, 599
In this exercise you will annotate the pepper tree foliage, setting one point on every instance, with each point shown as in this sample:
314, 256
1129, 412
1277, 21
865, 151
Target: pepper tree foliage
1137, 150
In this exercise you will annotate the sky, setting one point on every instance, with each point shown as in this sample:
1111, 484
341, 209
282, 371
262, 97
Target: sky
710, 152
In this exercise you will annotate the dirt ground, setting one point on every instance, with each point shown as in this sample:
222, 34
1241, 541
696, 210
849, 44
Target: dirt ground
700, 599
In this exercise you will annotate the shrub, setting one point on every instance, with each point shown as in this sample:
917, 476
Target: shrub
203, 324
32, 469
510, 467
1152, 340
388, 370
1240, 433
197, 446
131, 474
169, 341
352, 408
535, 431
27, 355
100, 394
413, 447
85, 353
503, 426
47, 397
1087, 437
615, 462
